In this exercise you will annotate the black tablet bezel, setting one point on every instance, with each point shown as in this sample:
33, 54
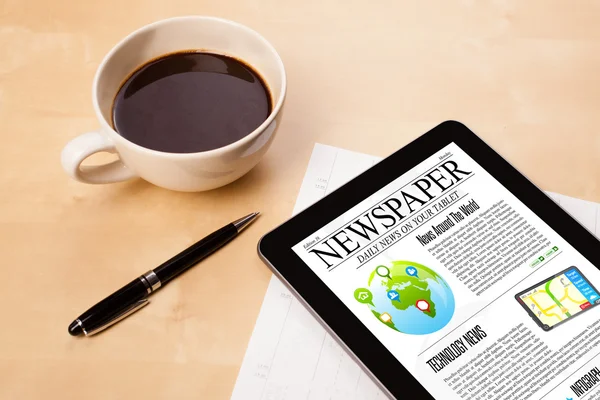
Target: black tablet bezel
275, 247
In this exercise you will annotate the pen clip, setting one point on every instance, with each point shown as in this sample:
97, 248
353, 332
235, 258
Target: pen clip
125, 313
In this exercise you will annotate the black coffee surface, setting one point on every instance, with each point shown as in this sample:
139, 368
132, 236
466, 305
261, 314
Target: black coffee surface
190, 102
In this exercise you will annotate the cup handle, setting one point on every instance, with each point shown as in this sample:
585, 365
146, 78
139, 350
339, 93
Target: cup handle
84, 146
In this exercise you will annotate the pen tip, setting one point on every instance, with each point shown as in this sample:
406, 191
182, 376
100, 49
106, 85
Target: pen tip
243, 222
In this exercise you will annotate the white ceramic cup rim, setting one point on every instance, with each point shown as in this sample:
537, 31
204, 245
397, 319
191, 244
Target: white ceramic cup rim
202, 154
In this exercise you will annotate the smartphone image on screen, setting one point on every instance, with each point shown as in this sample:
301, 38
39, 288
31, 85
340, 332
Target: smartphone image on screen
559, 298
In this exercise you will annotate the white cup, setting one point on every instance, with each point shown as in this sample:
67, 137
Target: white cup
176, 171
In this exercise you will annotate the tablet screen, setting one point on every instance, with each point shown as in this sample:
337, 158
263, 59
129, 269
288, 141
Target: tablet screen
470, 291
559, 298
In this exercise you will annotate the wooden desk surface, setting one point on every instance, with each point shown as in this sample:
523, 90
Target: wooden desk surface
367, 76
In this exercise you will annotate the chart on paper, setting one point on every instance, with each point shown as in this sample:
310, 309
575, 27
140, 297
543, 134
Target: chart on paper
290, 356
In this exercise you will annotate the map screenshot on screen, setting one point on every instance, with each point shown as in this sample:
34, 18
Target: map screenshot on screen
559, 298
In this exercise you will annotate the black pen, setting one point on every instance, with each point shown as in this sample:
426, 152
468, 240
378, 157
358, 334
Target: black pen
133, 296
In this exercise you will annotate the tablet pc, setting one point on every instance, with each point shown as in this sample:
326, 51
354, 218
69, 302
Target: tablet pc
424, 266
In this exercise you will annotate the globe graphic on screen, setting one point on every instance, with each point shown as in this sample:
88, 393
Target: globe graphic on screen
408, 297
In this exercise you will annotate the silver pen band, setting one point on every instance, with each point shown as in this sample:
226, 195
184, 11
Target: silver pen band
151, 281
81, 325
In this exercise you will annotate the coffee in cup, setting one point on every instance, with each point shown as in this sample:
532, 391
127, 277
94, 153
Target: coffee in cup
187, 103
